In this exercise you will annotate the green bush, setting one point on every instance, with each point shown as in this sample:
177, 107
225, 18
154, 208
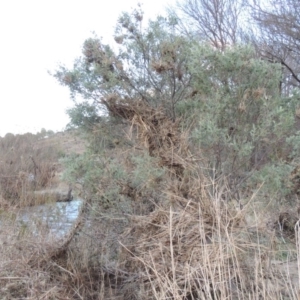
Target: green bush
240, 122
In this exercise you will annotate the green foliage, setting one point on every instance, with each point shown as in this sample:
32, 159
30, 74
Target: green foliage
275, 177
229, 99
242, 125
113, 183
83, 169
149, 64
146, 171
294, 142
83, 115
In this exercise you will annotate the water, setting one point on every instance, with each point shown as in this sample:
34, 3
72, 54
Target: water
55, 219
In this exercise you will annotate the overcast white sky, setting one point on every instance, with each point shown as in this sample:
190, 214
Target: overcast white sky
37, 35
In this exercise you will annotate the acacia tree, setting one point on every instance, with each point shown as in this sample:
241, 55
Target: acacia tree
149, 65
277, 37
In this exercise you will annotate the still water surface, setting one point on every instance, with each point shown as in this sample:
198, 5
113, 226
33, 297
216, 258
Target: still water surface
55, 219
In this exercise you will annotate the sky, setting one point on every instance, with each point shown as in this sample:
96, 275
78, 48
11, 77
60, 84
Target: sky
37, 36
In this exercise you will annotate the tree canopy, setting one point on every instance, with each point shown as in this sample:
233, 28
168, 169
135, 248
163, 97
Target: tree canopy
214, 82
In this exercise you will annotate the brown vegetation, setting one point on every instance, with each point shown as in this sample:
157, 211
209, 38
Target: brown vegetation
30, 163
186, 245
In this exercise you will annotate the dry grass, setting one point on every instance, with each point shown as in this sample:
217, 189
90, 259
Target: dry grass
39, 266
206, 250
190, 250
18, 248
190, 245
194, 245
29, 163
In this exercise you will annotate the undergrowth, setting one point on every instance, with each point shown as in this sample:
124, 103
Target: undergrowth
28, 163
154, 226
